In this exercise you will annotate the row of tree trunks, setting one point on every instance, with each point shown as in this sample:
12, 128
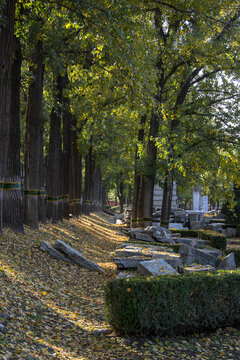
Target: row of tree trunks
64, 168
93, 190
6, 51
144, 185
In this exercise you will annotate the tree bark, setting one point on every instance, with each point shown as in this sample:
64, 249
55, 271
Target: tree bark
75, 189
6, 50
88, 183
32, 140
42, 182
149, 178
97, 189
67, 121
54, 166
137, 179
12, 197
167, 199
120, 194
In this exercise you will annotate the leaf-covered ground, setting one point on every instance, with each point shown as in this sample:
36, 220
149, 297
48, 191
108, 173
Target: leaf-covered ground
51, 310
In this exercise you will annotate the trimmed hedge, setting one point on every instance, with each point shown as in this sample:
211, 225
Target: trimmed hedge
218, 241
174, 305
236, 255
185, 233
215, 221
225, 226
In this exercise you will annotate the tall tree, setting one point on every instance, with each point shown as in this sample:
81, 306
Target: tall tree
12, 198
6, 51
54, 166
33, 141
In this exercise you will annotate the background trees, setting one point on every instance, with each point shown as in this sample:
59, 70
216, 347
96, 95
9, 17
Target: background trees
117, 96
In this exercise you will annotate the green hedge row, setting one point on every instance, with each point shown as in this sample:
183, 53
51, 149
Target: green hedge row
236, 255
186, 233
225, 226
218, 241
174, 305
215, 221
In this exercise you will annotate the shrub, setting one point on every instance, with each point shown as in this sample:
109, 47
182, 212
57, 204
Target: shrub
173, 305
215, 221
236, 255
218, 241
186, 233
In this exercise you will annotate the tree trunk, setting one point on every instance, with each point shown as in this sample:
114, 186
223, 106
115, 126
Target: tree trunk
75, 187
32, 140
97, 189
140, 208
120, 194
167, 199
54, 169
149, 178
42, 182
137, 178
6, 50
88, 183
67, 121
12, 197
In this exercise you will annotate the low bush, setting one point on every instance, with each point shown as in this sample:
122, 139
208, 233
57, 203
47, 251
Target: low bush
218, 241
236, 255
173, 305
186, 233
225, 226
216, 221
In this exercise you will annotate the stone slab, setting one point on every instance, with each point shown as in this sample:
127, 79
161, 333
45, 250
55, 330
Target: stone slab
55, 254
177, 226
126, 274
198, 268
191, 255
75, 256
156, 267
129, 263
228, 263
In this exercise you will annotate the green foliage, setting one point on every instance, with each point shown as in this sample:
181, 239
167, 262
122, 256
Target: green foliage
217, 241
231, 210
173, 305
185, 233
215, 221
